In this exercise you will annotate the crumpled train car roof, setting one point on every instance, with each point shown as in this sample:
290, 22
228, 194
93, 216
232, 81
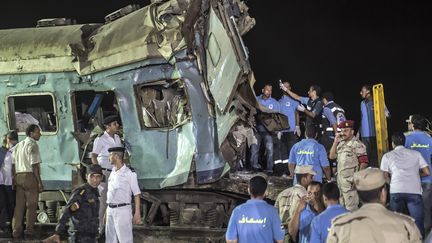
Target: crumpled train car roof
150, 32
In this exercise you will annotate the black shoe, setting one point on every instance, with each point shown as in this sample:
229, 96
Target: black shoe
269, 172
256, 170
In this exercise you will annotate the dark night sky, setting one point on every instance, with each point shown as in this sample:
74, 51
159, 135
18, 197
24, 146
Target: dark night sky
339, 45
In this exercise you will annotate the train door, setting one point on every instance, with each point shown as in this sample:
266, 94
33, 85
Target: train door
89, 109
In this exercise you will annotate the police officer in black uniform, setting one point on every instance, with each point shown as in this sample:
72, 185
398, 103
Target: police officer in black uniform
332, 115
83, 210
313, 104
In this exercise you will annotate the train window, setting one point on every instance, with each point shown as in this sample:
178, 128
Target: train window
162, 104
90, 108
32, 109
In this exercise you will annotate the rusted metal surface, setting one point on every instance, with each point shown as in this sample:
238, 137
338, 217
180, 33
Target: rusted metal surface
178, 75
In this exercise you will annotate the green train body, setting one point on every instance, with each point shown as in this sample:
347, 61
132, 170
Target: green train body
176, 72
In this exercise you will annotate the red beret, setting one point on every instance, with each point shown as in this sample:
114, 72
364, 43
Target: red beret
346, 124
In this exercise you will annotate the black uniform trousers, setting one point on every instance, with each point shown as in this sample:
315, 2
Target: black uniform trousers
281, 152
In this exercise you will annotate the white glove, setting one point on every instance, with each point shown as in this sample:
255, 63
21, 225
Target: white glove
300, 108
386, 112
298, 131
279, 135
282, 87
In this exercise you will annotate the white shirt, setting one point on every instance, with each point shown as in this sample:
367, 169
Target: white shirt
404, 164
122, 184
26, 154
6, 169
101, 146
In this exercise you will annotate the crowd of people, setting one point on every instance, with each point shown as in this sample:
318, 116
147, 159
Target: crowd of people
340, 192
338, 183
98, 209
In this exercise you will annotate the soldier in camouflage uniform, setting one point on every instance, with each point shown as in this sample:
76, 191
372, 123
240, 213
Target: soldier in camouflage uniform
83, 209
373, 223
288, 200
351, 157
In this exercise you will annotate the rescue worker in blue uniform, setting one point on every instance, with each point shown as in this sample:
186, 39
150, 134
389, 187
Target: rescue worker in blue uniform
321, 224
313, 104
332, 116
367, 125
309, 152
255, 220
309, 207
263, 134
421, 141
287, 138
83, 210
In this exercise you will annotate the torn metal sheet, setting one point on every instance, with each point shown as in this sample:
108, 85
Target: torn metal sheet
39, 50
173, 71
223, 69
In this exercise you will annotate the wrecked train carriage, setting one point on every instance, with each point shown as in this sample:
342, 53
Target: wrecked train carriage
176, 72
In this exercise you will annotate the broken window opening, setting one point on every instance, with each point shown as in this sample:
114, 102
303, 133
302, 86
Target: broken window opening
163, 104
92, 107
89, 109
38, 109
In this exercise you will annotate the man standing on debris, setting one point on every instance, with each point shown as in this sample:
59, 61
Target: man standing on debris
421, 141
332, 116
351, 157
263, 134
122, 185
102, 143
27, 181
313, 104
309, 152
83, 209
367, 126
287, 138
255, 220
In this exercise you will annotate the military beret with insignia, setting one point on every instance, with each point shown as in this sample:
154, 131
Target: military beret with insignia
346, 124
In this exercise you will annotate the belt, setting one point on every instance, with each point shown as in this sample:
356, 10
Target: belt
111, 205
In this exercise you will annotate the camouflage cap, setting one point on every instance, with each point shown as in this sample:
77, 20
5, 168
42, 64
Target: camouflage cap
305, 169
369, 179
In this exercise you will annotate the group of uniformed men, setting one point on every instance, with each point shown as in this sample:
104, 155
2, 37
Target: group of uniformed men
301, 207
100, 208
321, 113
103, 204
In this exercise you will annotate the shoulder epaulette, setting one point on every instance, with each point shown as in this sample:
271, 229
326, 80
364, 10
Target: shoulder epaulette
82, 192
347, 217
404, 216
